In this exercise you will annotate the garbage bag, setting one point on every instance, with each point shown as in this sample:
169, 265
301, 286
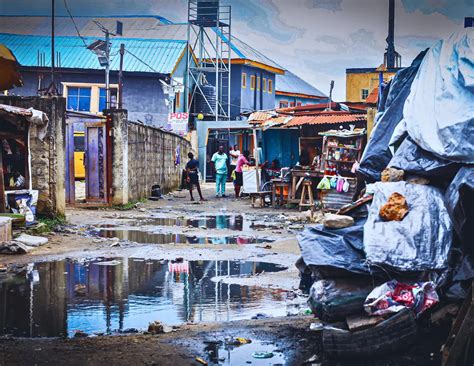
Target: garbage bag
421, 241
337, 248
334, 299
393, 296
377, 154
439, 111
459, 200
413, 159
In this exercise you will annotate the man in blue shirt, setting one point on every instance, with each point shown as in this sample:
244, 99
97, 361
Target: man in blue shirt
219, 164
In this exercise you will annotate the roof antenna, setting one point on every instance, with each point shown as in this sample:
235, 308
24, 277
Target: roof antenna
331, 87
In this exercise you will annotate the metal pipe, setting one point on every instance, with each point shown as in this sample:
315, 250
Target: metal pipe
52, 43
120, 81
107, 70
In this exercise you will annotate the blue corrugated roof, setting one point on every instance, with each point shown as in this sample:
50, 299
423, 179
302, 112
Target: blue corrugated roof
160, 55
290, 83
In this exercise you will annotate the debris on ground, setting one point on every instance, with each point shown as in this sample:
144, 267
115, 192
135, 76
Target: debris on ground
262, 355
30, 240
393, 296
14, 247
155, 327
333, 221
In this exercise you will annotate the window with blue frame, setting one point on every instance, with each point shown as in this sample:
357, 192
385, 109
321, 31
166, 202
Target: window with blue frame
102, 98
79, 99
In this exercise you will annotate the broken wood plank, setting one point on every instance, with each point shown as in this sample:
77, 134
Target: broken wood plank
359, 321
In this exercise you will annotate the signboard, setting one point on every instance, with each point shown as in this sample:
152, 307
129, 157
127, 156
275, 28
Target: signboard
178, 123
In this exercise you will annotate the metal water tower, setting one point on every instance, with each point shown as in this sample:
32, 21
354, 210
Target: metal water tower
209, 37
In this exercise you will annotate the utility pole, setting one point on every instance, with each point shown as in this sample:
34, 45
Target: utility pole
107, 69
52, 42
120, 76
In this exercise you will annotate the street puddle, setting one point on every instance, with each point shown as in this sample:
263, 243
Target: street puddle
146, 237
61, 298
255, 353
218, 222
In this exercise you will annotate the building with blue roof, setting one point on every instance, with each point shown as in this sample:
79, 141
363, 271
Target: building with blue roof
155, 48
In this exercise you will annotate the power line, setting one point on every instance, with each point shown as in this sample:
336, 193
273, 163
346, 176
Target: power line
74, 22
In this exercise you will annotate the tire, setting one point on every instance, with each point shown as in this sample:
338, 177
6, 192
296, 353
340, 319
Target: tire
398, 331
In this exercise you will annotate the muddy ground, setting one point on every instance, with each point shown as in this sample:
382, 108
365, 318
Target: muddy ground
288, 337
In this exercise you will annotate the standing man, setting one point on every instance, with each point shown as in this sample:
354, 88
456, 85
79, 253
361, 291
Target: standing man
219, 165
234, 155
192, 176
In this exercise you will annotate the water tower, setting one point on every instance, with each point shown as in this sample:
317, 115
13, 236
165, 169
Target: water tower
209, 37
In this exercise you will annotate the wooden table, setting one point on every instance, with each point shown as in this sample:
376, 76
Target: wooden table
297, 177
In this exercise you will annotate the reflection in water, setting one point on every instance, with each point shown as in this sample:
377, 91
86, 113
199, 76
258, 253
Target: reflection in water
145, 237
224, 354
71, 296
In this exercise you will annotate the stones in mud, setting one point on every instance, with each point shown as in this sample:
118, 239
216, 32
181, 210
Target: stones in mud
80, 334
155, 327
333, 221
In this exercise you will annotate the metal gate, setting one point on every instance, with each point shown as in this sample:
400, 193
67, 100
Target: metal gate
86, 157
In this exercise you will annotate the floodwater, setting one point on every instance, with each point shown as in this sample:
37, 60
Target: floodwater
146, 237
59, 298
224, 354
219, 222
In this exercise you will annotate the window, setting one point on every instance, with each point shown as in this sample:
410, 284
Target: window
79, 99
258, 82
364, 93
283, 103
252, 82
102, 99
264, 85
244, 80
298, 104
292, 104
270, 86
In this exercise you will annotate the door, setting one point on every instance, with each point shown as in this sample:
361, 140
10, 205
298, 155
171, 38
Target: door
212, 147
94, 162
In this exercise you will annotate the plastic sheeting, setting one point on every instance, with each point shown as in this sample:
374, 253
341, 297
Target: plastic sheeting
338, 248
421, 241
439, 111
377, 154
460, 202
413, 159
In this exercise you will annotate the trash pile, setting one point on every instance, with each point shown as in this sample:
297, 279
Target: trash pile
406, 247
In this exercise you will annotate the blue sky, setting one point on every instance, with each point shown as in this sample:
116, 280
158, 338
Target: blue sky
316, 39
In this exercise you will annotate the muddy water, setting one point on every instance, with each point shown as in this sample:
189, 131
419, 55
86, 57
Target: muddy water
56, 299
223, 354
145, 237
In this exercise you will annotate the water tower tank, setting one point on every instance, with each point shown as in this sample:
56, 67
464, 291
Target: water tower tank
207, 12
209, 94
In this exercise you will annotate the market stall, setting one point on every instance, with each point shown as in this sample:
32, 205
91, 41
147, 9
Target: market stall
341, 152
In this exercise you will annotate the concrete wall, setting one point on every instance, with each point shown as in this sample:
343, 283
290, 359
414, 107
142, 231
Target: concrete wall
48, 157
143, 156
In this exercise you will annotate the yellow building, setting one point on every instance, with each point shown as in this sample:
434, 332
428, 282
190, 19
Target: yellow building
361, 81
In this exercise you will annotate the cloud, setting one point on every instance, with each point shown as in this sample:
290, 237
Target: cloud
455, 10
264, 16
332, 5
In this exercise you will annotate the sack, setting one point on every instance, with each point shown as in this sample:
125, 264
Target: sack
393, 296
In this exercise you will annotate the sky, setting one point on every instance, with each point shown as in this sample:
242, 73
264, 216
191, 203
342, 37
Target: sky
315, 39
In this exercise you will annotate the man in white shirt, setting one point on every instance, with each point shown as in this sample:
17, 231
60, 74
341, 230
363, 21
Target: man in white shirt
234, 155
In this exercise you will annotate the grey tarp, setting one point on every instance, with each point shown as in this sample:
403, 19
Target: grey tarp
338, 248
413, 159
439, 111
460, 203
421, 241
377, 154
